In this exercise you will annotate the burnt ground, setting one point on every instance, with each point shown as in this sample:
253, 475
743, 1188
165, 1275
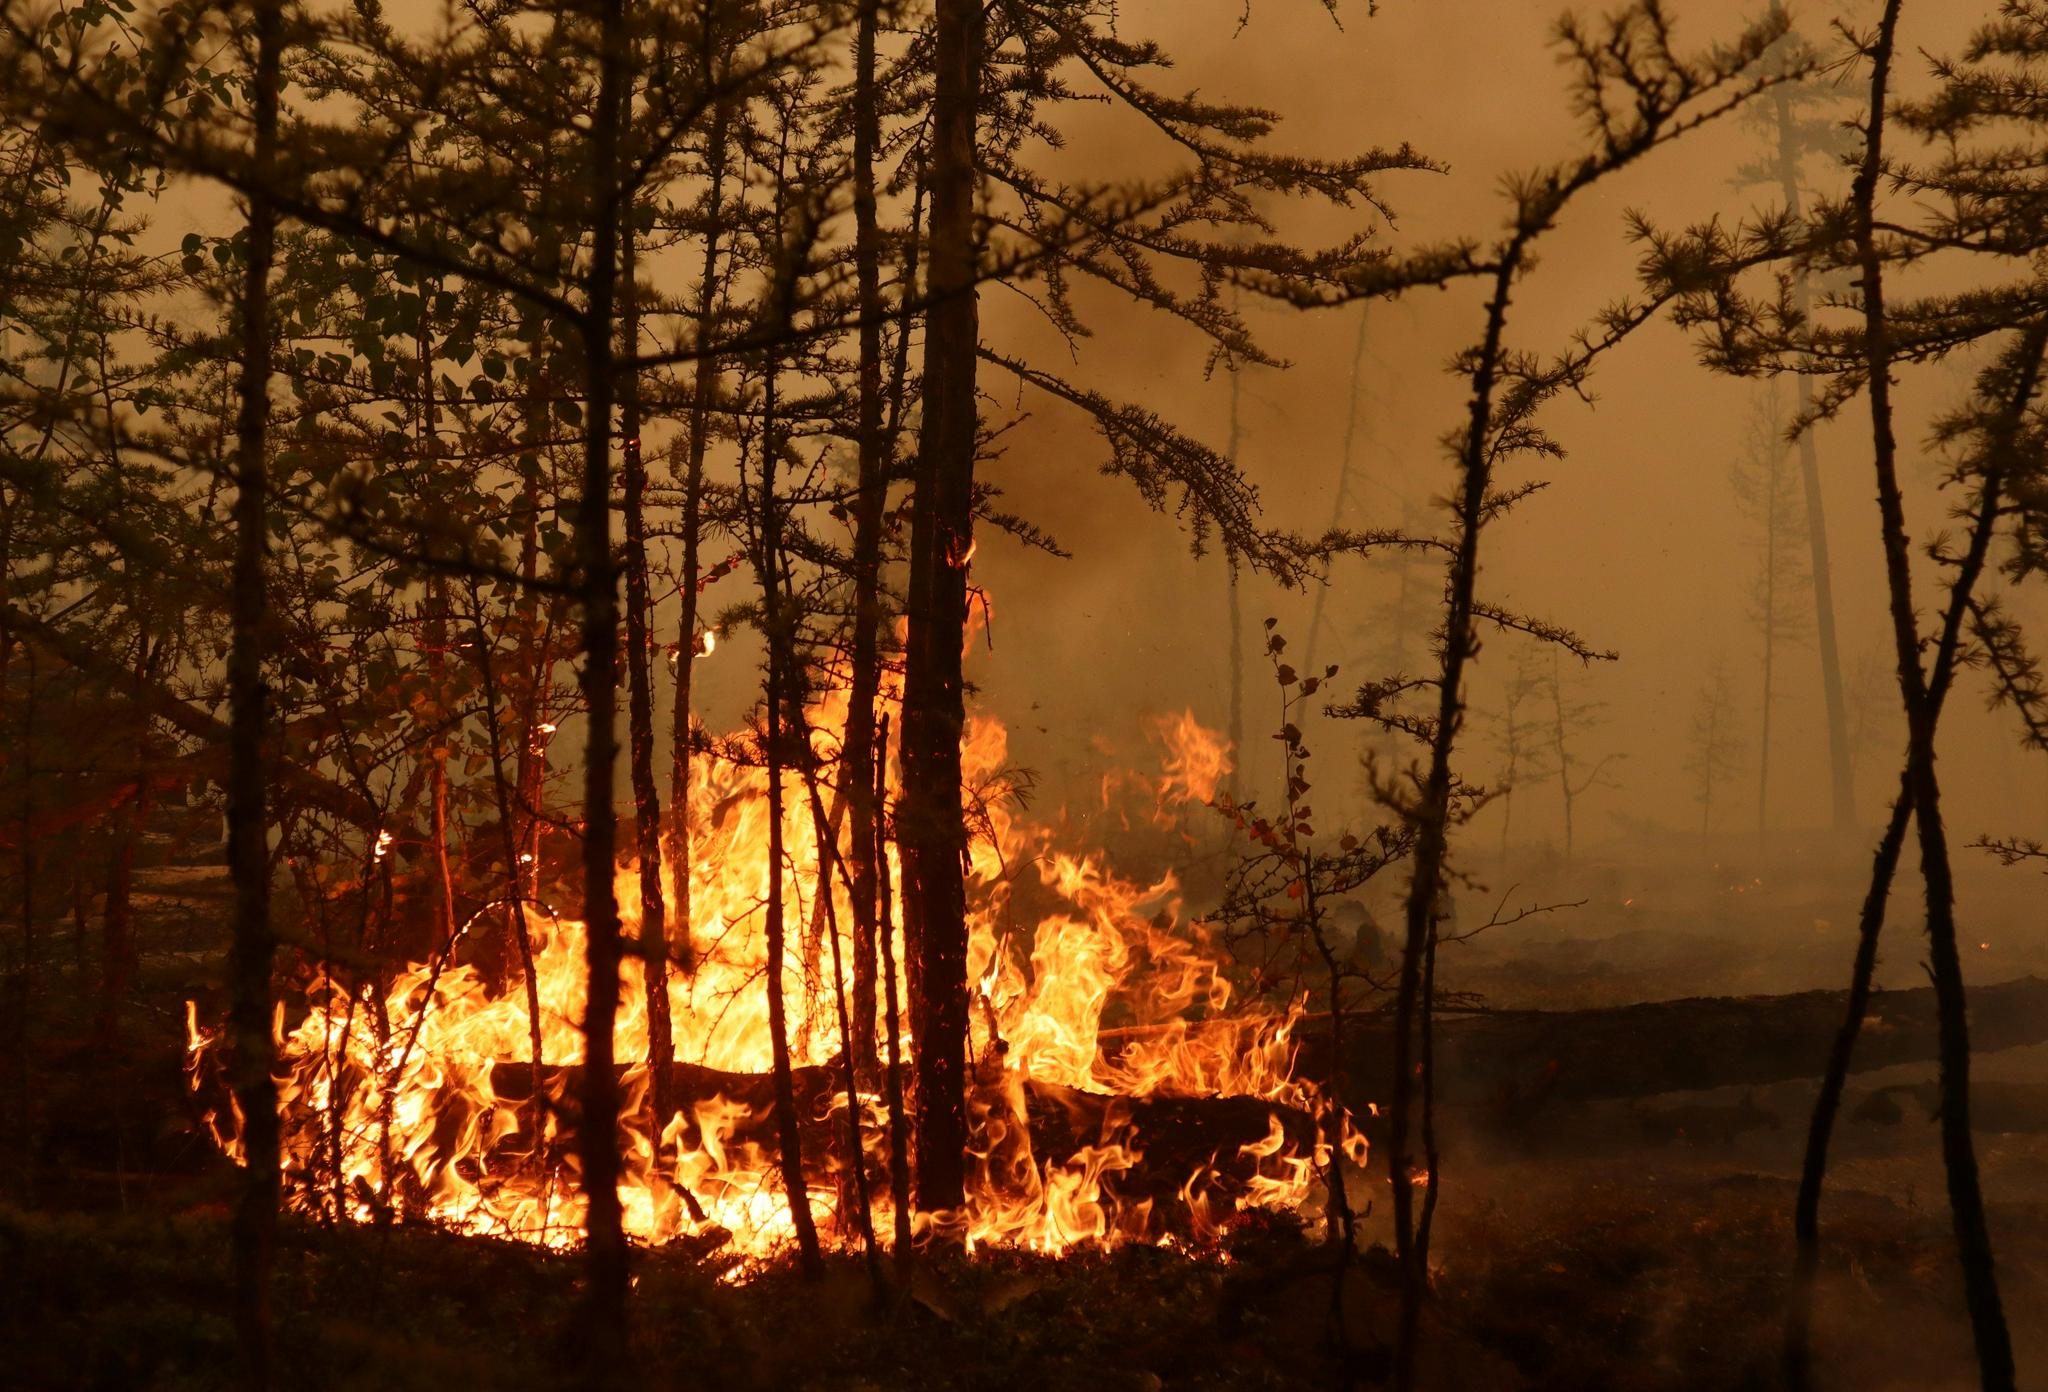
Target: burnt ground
1624, 1245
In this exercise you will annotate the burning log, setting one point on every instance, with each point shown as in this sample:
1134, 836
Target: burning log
1217, 1142
1222, 1147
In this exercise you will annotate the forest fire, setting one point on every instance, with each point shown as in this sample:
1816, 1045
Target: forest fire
510, 875
418, 1101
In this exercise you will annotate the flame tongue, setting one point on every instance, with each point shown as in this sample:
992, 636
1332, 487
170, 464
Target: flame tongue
423, 1098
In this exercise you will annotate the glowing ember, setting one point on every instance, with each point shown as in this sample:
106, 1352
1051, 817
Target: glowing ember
438, 1075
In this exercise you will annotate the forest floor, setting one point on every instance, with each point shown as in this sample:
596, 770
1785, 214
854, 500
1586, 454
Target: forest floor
1628, 1246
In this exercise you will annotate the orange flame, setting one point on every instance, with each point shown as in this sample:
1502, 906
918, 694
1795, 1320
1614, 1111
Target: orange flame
410, 1100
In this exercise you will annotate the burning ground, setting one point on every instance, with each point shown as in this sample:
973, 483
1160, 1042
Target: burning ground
415, 1097
1622, 1242
1599, 1249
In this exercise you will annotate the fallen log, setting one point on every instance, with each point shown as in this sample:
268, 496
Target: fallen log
1522, 1059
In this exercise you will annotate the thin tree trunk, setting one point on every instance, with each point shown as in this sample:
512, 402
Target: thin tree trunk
1763, 776
1563, 752
436, 644
892, 1031
515, 910
778, 629
696, 442
255, 1236
930, 828
1434, 812
661, 1049
1826, 1107
604, 1329
1966, 1202
858, 757
828, 861
1233, 606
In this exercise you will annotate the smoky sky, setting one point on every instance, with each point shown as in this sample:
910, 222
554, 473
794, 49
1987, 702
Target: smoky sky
1637, 543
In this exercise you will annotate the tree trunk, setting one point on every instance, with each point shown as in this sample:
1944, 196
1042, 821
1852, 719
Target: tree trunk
858, 753
1827, 1106
604, 1331
255, 1236
1233, 626
1763, 776
436, 644
515, 905
1966, 1202
661, 1049
1562, 750
779, 629
931, 830
892, 1032
1433, 814
696, 441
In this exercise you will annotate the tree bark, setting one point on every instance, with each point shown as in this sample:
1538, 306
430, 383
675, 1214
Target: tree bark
858, 756
647, 826
930, 827
892, 1032
255, 1226
778, 625
697, 440
604, 1330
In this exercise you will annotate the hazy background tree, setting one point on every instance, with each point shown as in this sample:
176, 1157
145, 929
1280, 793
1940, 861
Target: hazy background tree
1769, 498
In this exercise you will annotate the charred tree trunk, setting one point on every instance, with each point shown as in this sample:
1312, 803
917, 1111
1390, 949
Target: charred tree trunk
604, 1330
696, 441
255, 1236
436, 644
515, 906
858, 752
892, 1031
661, 1049
930, 827
829, 861
779, 629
